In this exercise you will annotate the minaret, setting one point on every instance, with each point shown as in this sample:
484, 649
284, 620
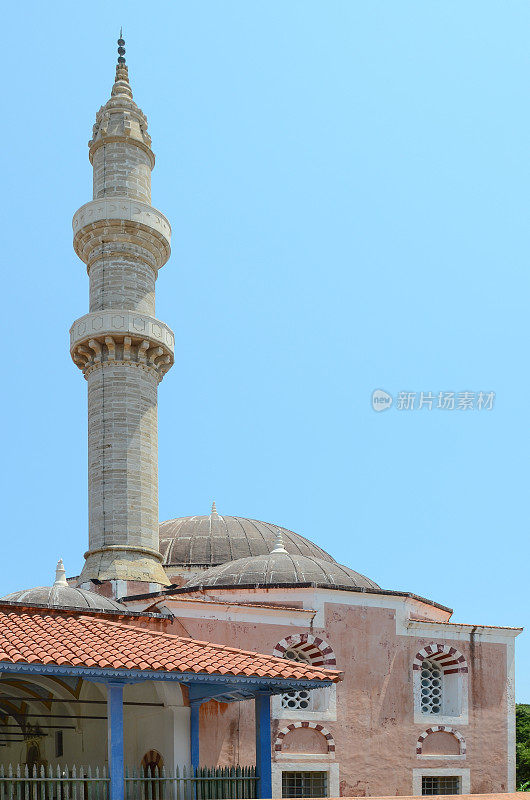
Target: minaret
122, 349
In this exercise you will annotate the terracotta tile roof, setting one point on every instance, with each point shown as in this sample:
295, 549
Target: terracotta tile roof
35, 636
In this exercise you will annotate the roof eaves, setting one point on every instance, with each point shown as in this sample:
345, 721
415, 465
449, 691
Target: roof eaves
360, 589
412, 623
217, 602
181, 676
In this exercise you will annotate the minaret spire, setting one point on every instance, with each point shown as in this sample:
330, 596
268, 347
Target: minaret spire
123, 350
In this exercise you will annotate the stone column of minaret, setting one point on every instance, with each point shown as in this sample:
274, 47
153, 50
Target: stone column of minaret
122, 349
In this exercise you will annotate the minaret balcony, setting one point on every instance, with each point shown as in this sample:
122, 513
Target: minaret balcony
120, 219
122, 336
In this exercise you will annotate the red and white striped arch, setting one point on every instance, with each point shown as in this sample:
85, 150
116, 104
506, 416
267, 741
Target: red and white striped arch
313, 725
317, 650
450, 659
446, 729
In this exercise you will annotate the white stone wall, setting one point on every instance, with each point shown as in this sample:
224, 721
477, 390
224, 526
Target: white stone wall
122, 170
122, 282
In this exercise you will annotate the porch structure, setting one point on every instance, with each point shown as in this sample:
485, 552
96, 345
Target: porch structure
114, 666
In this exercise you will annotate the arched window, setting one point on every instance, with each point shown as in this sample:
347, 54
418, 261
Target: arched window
440, 682
308, 649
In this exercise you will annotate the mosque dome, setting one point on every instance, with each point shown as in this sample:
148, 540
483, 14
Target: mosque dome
279, 568
61, 595
207, 541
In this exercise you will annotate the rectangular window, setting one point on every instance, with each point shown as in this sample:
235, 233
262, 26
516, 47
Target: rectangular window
440, 784
58, 744
304, 784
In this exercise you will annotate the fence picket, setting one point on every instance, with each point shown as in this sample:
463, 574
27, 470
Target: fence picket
91, 783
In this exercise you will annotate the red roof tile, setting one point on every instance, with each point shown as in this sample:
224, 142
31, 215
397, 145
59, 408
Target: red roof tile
38, 636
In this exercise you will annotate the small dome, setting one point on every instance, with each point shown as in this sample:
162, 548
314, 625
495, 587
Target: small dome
62, 595
281, 568
210, 540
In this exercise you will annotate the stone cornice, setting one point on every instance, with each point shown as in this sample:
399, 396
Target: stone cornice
123, 548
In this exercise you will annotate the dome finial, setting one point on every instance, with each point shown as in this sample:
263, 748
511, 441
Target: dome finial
213, 512
60, 574
278, 543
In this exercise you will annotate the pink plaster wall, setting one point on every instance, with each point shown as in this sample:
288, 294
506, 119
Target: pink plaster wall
375, 733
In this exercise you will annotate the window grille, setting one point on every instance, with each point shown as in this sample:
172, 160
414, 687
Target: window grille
440, 784
297, 699
300, 700
304, 784
297, 655
431, 688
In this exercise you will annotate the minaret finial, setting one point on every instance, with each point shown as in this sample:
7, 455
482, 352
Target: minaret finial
121, 83
278, 543
121, 48
60, 574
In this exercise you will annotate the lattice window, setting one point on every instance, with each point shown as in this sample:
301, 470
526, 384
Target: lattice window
440, 784
431, 688
304, 784
296, 654
297, 699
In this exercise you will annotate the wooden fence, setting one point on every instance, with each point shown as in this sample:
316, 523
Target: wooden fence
87, 783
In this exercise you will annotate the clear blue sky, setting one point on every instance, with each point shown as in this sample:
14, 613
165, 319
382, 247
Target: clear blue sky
348, 188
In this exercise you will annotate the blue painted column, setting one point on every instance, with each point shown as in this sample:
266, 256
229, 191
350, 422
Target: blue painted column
263, 744
195, 753
115, 739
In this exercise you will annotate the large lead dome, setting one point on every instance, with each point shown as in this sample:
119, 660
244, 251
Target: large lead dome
207, 541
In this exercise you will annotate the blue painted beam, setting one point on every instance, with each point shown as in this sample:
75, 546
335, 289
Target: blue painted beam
251, 684
115, 739
208, 691
195, 752
262, 704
